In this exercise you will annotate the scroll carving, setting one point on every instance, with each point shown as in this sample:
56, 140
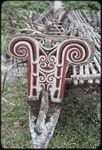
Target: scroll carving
47, 66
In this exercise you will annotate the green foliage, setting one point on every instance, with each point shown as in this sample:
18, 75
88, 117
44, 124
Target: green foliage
98, 111
4, 42
15, 128
77, 127
19, 9
86, 5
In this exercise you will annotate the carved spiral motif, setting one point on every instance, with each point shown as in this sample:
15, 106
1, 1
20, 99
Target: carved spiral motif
43, 58
74, 51
51, 66
50, 78
42, 77
52, 58
22, 46
47, 66
76, 54
21, 50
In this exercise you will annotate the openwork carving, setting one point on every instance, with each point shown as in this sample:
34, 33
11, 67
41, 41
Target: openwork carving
48, 64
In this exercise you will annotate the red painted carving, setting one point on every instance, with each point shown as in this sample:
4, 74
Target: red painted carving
47, 66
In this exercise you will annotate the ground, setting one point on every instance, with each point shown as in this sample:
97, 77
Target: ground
78, 125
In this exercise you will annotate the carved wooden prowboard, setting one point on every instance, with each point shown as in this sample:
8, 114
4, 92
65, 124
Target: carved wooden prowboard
47, 65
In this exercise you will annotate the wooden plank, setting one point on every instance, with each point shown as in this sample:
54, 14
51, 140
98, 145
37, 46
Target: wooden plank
42, 140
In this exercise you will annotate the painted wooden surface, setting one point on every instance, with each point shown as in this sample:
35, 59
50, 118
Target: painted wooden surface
47, 65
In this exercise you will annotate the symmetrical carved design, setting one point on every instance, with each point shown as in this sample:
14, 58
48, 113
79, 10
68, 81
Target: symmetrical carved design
56, 42
48, 62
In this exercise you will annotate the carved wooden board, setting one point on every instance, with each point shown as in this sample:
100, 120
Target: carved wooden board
47, 66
